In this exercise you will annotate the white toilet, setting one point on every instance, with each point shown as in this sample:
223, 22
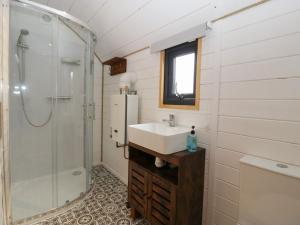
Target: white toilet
269, 193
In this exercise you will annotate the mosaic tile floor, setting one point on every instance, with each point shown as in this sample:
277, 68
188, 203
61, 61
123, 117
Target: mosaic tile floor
104, 205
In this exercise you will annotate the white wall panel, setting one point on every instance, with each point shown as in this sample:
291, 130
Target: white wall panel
149, 72
149, 94
229, 158
85, 11
207, 76
227, 207
260, 13
272, 48
148, 83
258, 110
208, 61
275, 150
150, 62
268, 29
209, 43
113, 14
41, 1
196, 17
274, 68
264, 109
227, 6
227, 191
269, 129
205, 91
145, 22
227, 174
63, 5
262, 89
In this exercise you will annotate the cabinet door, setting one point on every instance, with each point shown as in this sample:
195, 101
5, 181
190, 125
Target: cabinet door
161, 201
138, 186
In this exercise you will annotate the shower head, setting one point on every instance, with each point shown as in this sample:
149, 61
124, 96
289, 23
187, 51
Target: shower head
21, 43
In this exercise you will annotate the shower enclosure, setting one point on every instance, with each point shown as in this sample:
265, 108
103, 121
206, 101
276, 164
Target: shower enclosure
51, 109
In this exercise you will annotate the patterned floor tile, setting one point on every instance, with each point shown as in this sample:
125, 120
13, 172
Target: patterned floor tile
105, 205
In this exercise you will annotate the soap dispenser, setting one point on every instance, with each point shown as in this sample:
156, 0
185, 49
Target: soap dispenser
191, 141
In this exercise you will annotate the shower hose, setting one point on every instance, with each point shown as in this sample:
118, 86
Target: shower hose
21, 70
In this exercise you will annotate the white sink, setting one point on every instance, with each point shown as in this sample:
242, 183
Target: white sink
159, 137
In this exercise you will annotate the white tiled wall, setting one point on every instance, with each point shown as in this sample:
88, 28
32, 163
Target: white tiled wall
249, 98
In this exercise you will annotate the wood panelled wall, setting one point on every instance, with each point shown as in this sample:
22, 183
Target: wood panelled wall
259, 107
250, 95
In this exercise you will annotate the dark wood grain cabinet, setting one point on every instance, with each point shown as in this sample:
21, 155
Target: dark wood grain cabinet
172, 195
118, 65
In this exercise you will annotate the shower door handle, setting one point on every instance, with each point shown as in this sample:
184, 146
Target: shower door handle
91, 111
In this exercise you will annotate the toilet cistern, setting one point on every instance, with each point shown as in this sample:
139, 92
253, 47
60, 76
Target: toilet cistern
171, 120
269, 192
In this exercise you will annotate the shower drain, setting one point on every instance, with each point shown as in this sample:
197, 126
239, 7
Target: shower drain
76, 173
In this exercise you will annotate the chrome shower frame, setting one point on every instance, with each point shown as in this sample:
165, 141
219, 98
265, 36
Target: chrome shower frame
59, 13
4, 139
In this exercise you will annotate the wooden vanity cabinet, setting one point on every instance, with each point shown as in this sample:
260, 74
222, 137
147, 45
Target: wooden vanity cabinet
172, 195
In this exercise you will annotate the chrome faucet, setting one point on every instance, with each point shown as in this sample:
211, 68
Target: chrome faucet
171, 120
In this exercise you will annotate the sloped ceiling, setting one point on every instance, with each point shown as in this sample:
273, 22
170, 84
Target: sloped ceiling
123, 26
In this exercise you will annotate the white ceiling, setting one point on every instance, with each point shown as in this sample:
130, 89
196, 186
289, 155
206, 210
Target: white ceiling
123, 26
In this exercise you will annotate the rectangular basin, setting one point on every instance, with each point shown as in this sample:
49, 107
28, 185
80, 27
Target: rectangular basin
159, 137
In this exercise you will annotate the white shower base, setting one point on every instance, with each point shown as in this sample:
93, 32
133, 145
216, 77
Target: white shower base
39, 195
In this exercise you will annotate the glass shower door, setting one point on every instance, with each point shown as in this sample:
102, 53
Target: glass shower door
72, 106
32, 85
50, 109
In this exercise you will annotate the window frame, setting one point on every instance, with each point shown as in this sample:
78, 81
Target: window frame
168, 100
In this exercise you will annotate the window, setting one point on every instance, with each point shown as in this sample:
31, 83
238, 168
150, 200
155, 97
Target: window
179, 87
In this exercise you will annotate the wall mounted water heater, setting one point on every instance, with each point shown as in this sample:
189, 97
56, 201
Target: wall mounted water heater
124, 112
